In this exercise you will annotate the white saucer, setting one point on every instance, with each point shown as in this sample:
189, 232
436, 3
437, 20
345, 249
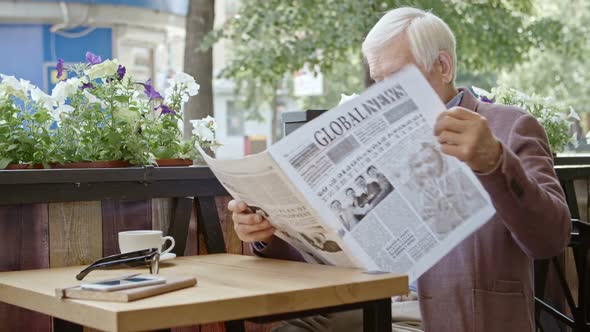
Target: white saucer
167, 256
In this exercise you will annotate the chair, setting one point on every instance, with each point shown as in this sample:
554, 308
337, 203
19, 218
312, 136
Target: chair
580, 313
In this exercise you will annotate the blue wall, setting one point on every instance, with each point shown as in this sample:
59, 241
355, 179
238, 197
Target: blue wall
22, 54
72, 50
55, 46
177, 7
34, 51
31, 51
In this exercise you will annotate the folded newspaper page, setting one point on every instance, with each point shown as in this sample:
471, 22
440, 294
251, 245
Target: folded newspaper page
365, 184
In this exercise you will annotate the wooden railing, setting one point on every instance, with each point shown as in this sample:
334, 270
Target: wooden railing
54, 218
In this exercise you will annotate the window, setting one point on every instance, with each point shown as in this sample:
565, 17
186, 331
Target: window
235, 119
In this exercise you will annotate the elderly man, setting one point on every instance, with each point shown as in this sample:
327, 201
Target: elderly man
485, 283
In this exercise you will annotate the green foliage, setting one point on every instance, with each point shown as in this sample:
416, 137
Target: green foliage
552, 115
25, 135
561, 72
274, 38
97, 115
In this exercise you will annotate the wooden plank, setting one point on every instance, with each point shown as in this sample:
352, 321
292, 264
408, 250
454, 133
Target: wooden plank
85, 175
202, 248
24, 245
119, 216
209, 224
75, 233
193, 241
581, 187
233, 244
162, 213
180, 225
75, 236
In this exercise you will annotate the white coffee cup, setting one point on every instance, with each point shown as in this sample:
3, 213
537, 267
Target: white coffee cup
139, 240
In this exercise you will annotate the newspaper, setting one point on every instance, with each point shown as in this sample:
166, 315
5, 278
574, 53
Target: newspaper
365, 184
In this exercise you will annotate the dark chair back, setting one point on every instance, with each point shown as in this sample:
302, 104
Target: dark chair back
577, 314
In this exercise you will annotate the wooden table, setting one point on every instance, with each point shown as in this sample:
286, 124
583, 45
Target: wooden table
230, 288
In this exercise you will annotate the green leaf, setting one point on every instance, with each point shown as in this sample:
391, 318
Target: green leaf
4, 162
122, 99
164, 152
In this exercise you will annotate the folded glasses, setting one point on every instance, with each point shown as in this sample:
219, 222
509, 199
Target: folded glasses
149, 257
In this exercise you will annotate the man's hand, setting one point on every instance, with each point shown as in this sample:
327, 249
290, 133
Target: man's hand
466, 135
250, 226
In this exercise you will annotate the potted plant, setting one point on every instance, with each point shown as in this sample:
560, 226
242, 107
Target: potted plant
26, 137
97, 117
552, 115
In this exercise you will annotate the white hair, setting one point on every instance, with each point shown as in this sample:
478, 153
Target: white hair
427, 34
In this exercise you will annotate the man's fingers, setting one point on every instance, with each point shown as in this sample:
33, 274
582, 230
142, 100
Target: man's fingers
461, 113
454, 150
257, 236
246, 218
449, 123
251, 228
236, 205
449, 137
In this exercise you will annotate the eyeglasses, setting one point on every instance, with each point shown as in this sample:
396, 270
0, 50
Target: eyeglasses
149, 257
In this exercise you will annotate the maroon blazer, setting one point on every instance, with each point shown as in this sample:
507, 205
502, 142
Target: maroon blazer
486, 282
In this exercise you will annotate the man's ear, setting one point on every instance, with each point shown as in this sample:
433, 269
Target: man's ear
446, 66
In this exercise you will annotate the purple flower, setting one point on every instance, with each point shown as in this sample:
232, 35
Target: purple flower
60, 67
93, 59
121, 72
86, 86
150, 91
165, 109
486, 100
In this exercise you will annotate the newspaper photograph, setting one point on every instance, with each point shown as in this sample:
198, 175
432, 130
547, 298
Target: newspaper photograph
373, 188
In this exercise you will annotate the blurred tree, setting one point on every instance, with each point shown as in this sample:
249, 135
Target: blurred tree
199, 23
274, 38
562, 73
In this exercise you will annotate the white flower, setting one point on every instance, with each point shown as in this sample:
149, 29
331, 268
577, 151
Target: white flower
188, 81
211, 122
184, 84
573, 115
554, 119
482, 93
92, 99
12, 86
61, 111
44, 99
64, 89
103, 69
344, 98
204, 129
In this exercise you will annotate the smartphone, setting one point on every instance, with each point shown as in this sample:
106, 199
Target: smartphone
124, 283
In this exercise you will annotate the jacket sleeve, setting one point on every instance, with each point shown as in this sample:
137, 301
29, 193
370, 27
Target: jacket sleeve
526, 192
278, 249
